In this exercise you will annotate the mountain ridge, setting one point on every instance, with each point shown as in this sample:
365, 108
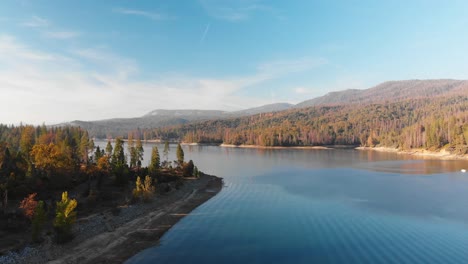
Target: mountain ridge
393, 91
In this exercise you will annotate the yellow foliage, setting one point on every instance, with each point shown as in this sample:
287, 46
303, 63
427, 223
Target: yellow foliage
49, 157
65, 214
103, 163
144, 190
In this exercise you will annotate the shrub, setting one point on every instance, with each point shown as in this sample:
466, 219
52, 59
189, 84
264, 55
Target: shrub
188, 169
29, 204
144, 190
65, 217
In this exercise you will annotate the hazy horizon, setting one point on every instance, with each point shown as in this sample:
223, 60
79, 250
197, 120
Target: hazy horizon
92, 60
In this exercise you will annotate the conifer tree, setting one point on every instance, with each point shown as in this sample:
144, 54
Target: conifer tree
97, 154
118, 156
38, 221
180, 155
166, 151
139, 151
155, 161
109, 149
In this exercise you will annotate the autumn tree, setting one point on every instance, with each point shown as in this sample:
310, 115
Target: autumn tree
86, 145
144, 191
27, 141
29, 204
49, 158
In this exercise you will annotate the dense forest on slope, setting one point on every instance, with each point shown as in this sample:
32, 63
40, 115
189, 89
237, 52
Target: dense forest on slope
416, 123
387, 92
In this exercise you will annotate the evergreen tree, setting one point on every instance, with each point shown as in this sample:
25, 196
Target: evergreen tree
38, 220
109, 149
132, 151
155, 161
180, 155
118, 157
188, 169
139, 151
97, 154
119, 163
166, 151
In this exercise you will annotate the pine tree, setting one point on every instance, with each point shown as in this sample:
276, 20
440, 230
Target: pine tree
166, 151
132, 151
139, 152
155, 161
38, 221
109, 149
180, 155
118, 156
97, 154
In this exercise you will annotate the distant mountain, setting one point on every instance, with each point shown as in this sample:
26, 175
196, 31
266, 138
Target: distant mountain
187, 114
393, 91
262, 109
162, 117
387, 92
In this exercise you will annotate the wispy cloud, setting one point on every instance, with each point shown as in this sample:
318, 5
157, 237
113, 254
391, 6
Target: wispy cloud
36, 22
62, 34
234, 10
205, 32
302, 90
136, 12
95, 83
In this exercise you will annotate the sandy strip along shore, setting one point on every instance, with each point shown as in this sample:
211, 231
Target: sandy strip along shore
141, 227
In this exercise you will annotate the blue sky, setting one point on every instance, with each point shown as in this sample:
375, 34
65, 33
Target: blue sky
88, 60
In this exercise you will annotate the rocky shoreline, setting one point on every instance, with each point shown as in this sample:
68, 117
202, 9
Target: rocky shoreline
115, 235
422, 153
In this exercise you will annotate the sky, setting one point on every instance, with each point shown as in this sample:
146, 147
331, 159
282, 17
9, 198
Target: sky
89, 60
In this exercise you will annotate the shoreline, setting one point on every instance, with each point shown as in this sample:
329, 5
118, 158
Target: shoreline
114, 237
423, 153
273, 147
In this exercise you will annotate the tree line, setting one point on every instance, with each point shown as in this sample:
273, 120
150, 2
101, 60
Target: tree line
39, 164
430, 123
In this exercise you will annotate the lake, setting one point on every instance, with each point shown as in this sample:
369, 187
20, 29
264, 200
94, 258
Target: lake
321, 206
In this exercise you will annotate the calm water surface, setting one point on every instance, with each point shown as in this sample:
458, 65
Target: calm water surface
321, 206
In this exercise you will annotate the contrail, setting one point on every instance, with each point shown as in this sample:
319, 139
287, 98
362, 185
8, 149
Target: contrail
207, 28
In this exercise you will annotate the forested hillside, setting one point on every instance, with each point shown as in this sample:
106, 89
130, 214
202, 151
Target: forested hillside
392, 91
415, 123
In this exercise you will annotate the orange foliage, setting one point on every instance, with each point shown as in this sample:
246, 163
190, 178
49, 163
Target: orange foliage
49, 157
29, 205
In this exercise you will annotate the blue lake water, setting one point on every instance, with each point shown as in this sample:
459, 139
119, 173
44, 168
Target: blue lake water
321, 206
